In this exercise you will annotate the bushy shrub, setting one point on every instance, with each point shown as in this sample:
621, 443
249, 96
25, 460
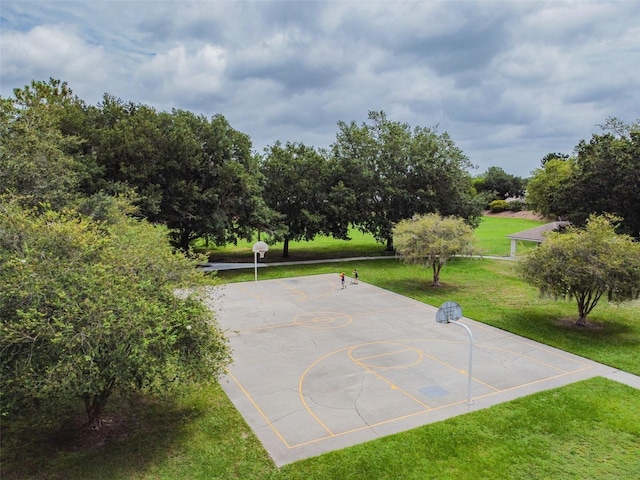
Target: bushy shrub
498, 206
516, 206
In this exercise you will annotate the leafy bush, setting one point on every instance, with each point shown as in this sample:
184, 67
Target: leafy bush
516, 206
498, 206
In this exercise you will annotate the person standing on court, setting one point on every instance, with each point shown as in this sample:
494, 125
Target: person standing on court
355, 276
344, 285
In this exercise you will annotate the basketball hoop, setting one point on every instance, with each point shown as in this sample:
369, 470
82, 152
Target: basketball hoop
258, 248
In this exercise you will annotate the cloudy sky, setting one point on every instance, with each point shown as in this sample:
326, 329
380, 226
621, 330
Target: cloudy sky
509, 80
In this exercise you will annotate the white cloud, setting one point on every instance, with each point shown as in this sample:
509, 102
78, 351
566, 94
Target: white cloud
181, 74
50, 51
510, 81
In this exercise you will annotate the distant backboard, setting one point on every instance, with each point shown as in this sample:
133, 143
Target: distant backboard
261, 248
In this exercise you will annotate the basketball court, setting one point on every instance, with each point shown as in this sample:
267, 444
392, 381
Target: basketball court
319, 368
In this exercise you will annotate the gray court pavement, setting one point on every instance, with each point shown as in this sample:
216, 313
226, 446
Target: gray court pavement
318, 368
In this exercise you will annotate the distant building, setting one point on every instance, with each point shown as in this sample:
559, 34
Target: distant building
535, 234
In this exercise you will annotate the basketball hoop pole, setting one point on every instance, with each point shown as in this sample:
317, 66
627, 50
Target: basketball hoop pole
450, 312
255, 265
455, 322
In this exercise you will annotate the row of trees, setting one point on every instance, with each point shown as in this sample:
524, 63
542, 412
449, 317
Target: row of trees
200, 178
375, 175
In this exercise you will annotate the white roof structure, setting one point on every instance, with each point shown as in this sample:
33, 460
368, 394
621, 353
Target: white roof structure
535, 234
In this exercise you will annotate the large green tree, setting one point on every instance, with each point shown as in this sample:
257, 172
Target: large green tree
36, 158
606, 179
195, 175
298, 187
545, 187
500, 185
431, 240
586, 264
397, 172
90, 307
212, 182
602, 178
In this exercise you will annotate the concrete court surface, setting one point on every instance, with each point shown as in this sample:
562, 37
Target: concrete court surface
318, 368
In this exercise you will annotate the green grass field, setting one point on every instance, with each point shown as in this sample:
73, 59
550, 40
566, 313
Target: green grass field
590, 429
491, 238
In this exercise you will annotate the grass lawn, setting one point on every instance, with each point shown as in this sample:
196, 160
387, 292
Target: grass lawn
491, 238
361, 244
590, 429
492, 235
587, 430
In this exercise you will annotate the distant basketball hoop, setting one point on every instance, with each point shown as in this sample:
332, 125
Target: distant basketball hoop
258, 248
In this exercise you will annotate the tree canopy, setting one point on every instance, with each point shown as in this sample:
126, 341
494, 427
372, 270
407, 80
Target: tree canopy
544, 189
35, 156
601, 178
89, 307
298, 187
585, 264
499, 184
431, 240
396, 173
197, 176
606, 180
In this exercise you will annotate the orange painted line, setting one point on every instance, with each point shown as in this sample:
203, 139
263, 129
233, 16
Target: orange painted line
260, 411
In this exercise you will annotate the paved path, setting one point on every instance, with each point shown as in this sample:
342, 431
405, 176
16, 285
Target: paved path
215, 266
318, 368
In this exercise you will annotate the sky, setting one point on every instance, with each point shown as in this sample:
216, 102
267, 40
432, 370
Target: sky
510, 81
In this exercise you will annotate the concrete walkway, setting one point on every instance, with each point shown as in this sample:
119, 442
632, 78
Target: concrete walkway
319, 368
216, 266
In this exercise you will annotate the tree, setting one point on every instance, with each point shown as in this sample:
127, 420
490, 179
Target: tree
195, 175
500, 184
585, 264
602, 178
297, 187
35, 157
431, 240
545, 187
553, 156
211, 185
397, 173
606, 179
90, 307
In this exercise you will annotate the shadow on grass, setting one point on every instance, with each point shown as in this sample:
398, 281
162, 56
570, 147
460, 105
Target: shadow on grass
535, 322
422, 289
135, 435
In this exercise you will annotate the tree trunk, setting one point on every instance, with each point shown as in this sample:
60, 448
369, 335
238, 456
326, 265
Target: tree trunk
184, 240
389, 244
436, 274
94, 405
285, 248
582, 316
